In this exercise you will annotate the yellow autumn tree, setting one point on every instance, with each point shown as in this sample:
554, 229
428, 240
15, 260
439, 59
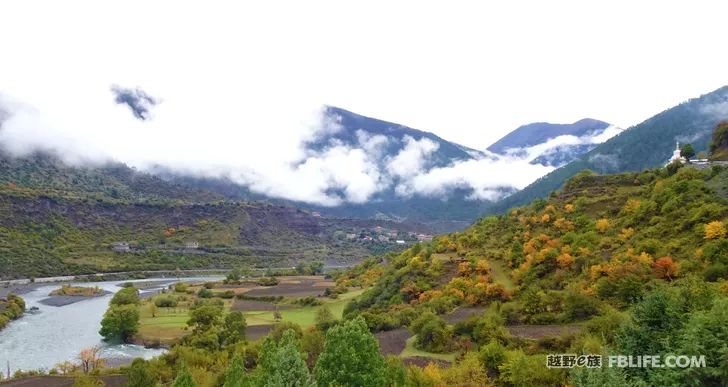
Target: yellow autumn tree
602, 225
569, 208
715, 230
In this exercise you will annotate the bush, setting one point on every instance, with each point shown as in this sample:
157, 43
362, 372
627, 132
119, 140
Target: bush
180, 287
578, 306
165, 302
268, 281
308, 301
228, 294
205, 293
492, 357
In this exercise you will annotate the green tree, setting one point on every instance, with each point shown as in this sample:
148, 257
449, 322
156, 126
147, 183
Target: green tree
234, 275
687, 151
139, 375
204, 317
281, 364
184, 378
126, 296
351, 357
324, 318
234, 328
120, 322
235, 376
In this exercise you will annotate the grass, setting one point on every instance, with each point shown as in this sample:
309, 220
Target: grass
411, 351
169, 324
303, 316
500, 275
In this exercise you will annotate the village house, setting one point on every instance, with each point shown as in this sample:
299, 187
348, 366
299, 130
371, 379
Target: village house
120, 246
192, 245
351, 236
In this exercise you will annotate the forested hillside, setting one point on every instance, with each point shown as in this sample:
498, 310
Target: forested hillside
57, 219
619, 264
646, 145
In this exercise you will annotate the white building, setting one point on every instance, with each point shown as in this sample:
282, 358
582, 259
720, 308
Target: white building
676, 155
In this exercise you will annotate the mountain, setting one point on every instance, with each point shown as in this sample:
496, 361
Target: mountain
646, 145
418, 151
628, 263
58, 219
554, 144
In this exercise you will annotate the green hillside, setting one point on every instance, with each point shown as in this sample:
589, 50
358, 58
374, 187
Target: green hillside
57, 219
646, 145
617, 264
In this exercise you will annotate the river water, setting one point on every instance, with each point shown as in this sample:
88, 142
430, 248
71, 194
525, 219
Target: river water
56, 334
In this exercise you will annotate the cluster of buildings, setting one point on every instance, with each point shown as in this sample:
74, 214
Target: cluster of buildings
385, 235
125, 247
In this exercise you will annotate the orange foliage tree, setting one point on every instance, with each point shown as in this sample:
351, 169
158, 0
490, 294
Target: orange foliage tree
665, 268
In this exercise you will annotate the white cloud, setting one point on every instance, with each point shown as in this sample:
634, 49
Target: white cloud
531, 153
412, 159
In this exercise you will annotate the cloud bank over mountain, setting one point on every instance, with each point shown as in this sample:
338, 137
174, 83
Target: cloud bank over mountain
309, 154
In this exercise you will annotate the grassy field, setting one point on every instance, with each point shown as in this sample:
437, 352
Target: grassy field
303, 316
411, 351
170, 324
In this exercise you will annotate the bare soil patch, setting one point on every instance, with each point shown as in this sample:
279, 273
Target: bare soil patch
256, 332
392, 342
536, 332
61, 381
252, 305
462, 314
292, 287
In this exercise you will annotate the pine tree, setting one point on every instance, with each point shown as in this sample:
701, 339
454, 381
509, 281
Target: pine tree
281, 364
235, 376
139, 375
184, 378
351, 357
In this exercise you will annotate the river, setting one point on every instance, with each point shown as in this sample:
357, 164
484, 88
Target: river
56, 334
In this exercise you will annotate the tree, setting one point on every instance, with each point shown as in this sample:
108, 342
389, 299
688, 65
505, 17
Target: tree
234, 328
235, 376
126, 296
281, 363
139, 375
324, 318
120, 322
204, 317
351, 357
184, 378
687, 151
602, 225
665, 268
90, 359
234, 276
715, 230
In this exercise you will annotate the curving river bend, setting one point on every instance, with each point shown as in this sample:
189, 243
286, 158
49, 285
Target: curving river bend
56, 334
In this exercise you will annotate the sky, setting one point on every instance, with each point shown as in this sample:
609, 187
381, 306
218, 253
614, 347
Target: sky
239, 86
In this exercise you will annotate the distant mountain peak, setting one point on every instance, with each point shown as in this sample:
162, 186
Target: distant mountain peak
539, 132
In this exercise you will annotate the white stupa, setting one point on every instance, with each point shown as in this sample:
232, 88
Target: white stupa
676, 155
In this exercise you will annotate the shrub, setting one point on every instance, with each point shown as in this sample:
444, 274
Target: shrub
268, 281
165, 302
492, 357
205, 293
